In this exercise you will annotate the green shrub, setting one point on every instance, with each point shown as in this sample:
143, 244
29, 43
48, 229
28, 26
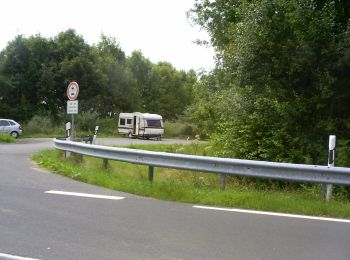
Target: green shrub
86, 121
178, 129
108, 126
6, 138
42, 125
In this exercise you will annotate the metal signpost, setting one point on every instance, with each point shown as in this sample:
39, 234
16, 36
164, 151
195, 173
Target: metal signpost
72, 103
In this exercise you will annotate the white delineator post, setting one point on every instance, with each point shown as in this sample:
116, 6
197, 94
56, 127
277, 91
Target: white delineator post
331, 158
95, 135
68, 129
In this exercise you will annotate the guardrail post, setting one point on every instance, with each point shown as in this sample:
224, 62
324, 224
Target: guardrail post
327, 188
105, 163
150, 173
222, 181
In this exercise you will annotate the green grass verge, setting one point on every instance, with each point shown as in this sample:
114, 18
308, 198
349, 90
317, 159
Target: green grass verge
184, 186
6, 138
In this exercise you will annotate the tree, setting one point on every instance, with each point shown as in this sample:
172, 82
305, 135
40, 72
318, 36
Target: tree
15, 66
282, 76
119, 92
141, 69
35, 73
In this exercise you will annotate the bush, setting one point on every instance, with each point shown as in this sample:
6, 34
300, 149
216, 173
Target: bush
108, 126
42, 125
86, 121
6, 138
178, 129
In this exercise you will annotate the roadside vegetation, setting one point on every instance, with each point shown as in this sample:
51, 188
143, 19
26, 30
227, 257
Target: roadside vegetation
6, 138
44, 126
198, 188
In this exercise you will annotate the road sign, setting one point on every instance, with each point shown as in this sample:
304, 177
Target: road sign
68, 126
73, 90
72, 107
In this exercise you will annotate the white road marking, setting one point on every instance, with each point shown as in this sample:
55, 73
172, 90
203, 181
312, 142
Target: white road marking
84, 195
275, 214
15, 257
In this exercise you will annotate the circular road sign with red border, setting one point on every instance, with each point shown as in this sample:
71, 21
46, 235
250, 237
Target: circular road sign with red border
73, 90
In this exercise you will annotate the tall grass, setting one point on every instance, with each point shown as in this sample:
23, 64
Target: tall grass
43, 126
6, 138
85, 123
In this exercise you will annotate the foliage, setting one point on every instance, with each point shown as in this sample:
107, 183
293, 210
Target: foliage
108, 126
35, 73
40, 124
6, 138
87, 121
280, 86
178, 129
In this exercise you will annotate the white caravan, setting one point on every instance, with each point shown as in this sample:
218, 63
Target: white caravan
141, 125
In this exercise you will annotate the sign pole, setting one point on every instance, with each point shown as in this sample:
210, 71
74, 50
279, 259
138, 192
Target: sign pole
72, 130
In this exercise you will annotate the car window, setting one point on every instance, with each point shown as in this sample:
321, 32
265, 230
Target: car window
12, 123
4, 123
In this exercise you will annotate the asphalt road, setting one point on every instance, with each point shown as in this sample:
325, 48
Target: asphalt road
40, 225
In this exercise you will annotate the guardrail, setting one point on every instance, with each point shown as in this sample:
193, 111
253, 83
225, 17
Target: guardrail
223, 166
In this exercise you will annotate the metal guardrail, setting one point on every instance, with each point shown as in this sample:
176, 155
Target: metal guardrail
224, 166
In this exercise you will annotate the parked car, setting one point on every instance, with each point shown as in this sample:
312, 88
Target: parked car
11, 127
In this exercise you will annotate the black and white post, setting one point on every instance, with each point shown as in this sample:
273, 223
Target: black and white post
68, 129
331, 157
95, 135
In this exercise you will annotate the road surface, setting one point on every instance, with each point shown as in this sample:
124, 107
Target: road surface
47, 216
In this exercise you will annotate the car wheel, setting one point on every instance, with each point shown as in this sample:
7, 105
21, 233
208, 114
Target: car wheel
14, 134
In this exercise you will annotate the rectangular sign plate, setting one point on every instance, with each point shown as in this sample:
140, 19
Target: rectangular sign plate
72, 107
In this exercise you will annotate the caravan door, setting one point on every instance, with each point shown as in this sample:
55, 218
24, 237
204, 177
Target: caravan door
136, 125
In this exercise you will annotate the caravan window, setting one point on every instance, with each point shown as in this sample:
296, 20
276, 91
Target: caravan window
122, 121
129, 121
154, 123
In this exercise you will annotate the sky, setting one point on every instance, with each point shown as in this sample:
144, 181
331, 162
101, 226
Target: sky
158, 28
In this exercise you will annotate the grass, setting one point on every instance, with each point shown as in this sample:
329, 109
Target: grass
189, 187
6, 138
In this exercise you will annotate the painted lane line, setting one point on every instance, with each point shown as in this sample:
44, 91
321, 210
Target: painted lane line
15, 257
266, 213
87, 195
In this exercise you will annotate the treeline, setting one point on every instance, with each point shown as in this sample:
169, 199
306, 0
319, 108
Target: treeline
282, 83
35, 73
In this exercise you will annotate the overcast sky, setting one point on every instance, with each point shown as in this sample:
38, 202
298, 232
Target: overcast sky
158, 28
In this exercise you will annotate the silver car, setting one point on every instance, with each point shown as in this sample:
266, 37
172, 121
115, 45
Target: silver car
11, 127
